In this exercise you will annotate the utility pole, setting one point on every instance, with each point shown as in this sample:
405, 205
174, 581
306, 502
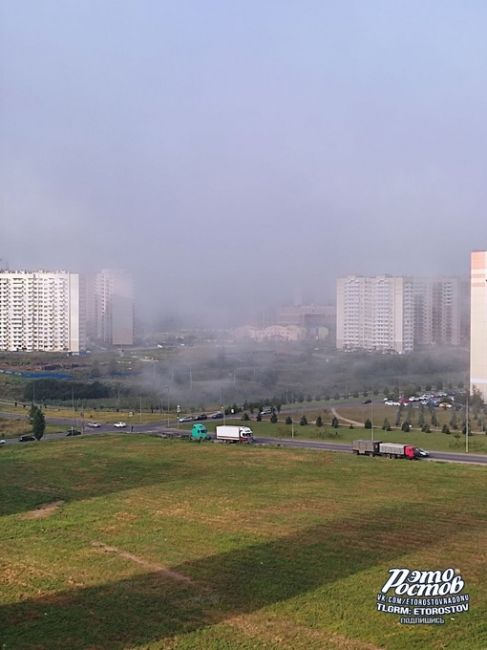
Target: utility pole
372, 421
466, 425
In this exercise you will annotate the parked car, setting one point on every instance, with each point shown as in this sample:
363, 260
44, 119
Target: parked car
73, 432
3, 442
93, 425
186, 418
120, 425
26, 438
367, 401
216, 416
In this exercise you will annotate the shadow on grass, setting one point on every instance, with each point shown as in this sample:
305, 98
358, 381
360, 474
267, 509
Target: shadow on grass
152, 606
31, 481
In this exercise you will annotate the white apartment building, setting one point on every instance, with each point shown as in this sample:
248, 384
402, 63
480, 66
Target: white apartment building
478, 323
114, 307
41, 311
375, 313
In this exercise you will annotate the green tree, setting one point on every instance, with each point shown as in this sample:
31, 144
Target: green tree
334, 422
38, 424
245, 417
95, 369
454, 421
319, 421
258, 417
434, 420
397, 421
386, 425
274, 418
421, 419
303, 421
445, 429
367, 424
32, 411
289, 420
405, 426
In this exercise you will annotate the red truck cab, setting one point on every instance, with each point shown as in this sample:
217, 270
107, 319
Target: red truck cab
410, 452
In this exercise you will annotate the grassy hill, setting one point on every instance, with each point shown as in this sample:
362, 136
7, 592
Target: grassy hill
124, 542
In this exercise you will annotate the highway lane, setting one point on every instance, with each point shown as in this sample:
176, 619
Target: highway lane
445, 456
439, 456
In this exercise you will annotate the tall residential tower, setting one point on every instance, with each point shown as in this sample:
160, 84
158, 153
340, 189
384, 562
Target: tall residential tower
375, 313
114, 307
41, 311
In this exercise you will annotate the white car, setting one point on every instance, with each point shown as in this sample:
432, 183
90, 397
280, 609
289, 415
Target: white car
3, 442
93, 425
120, 425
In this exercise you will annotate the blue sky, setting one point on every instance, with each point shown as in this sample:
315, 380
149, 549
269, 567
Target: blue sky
242, 150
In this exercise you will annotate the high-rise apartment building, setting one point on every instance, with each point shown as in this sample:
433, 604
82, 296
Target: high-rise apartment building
41, 311
114, 307
439, 309
375, 313
478, 323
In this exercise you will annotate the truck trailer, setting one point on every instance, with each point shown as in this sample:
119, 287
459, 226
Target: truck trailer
229, 433
388, 449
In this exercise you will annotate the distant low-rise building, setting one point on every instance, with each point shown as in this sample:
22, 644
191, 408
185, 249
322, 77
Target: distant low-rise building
271, 333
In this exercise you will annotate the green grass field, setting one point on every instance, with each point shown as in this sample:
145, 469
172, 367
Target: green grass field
122, 542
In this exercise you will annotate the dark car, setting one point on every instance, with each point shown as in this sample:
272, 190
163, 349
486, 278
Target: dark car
26, 438
216, 416
201, 416
73, 432
367, 401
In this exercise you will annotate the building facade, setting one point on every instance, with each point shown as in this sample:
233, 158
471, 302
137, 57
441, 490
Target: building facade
478, 323
41, 311
439, 311
114, 307
375, 313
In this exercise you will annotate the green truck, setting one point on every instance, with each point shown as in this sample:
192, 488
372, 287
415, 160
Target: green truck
199, 432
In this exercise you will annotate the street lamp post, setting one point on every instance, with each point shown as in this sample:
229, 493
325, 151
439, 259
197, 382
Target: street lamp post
372, 421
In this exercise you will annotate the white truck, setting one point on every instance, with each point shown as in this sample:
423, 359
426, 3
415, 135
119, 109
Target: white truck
232, 433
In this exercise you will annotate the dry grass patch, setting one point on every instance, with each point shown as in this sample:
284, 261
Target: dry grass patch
151, 566
290, 635
44, 511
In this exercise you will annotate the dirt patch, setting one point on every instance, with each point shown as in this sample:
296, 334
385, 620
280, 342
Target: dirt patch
158, 568
44, 511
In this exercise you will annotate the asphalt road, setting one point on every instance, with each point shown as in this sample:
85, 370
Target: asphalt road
477, 459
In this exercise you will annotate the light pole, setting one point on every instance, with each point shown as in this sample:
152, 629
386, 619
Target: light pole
372, 421
466, 424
